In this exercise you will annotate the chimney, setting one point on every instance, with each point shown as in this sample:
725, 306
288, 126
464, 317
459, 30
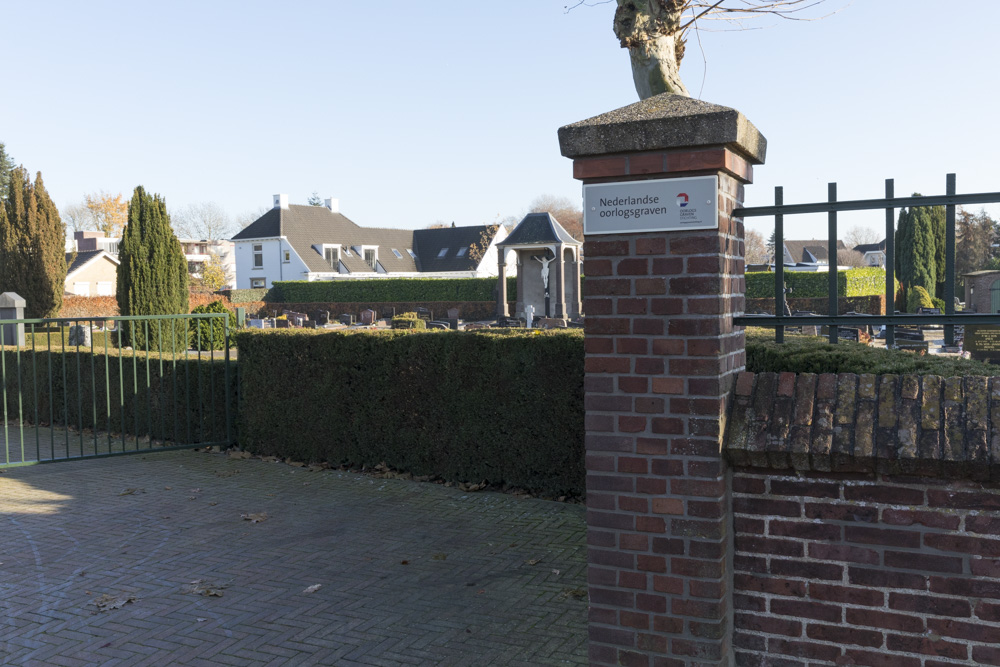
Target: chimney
280, 201
332, 204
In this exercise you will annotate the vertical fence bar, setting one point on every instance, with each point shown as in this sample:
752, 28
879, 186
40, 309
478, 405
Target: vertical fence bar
890, 263
62, 362
107, 386
135, 384
225, 392
832, 273
779, 263
173, 372
79, 393
20, 397
93, 385
949, 261
162, 403
149, 384
201, 405
211, 372
187, 387
3, 386
120, 328
34, 385
52, 422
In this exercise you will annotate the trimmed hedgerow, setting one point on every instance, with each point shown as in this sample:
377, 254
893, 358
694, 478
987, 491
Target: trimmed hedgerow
392, 289
466, 406
806, 285
810, 354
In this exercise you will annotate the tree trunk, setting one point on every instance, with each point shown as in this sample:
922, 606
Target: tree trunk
650, 30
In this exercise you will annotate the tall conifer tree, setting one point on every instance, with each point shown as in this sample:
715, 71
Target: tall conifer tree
32, 259
152, 276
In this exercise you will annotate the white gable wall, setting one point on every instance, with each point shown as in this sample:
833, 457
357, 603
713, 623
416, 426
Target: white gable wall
275, 268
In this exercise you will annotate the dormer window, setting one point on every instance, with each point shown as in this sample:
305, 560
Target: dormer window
371, 256
331, 254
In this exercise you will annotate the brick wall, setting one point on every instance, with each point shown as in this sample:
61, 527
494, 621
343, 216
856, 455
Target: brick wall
866, 515
854, 569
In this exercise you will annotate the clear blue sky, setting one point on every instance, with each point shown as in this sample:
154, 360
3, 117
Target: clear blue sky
415, 112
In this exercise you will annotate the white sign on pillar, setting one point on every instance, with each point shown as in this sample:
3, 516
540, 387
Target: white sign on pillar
671, 204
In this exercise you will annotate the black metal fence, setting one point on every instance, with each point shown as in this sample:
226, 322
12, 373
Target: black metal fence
889, 204
91, 387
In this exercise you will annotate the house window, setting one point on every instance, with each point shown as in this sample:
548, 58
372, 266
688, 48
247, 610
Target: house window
105, 288
444, 251
371, 256
332, 256
258, 256
397, 254
81, 289
461, 252
412, 254
287, 256
256, 283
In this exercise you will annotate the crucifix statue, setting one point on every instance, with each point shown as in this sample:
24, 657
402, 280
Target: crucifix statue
545, 261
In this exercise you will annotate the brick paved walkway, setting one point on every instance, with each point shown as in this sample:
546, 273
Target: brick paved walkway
411, 573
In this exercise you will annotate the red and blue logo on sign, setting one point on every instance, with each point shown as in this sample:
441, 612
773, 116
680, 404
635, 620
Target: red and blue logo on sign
682, 200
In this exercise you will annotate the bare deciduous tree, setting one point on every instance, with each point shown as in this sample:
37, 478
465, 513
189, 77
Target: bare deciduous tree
566, 211
755, 249
861, 235
78, 217
654, 32
850, 257
245, 219
206, 220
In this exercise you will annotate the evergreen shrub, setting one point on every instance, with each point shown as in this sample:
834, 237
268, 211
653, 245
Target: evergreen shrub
466, 406
210, 333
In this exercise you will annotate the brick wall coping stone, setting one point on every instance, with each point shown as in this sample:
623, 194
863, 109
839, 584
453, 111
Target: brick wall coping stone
663, 122
890, 424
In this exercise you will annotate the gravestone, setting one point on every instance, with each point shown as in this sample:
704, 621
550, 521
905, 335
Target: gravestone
425, 314
347, 319
79, 334
12, 308
368, 317
453, 313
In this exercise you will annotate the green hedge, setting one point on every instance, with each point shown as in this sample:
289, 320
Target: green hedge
248, 295
392, 289
467, 406
183, 402
809, 354
805, 285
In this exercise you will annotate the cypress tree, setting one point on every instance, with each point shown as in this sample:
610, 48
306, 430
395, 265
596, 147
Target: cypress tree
49, 250
32, 260
939, 227
924, 249
903, 264
152, 277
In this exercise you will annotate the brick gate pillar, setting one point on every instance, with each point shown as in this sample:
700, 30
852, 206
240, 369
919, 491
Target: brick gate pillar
661, 358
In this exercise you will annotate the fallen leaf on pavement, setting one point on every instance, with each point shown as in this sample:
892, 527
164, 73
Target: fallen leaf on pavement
254, 518
107, 602
472, 487
129, 492
312, 589
205, 588
533, 561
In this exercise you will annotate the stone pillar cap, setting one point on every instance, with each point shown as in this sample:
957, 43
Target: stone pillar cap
12, 300
663, 122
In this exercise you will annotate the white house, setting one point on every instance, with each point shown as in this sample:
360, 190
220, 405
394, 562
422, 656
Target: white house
293, 242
